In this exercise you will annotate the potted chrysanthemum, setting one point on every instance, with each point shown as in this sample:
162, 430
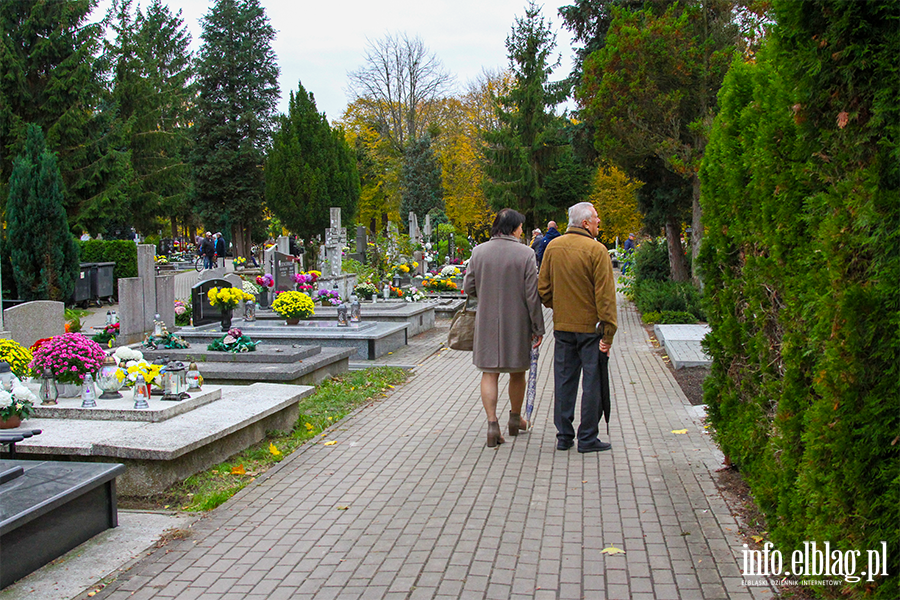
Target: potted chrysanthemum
293, 306
69, 358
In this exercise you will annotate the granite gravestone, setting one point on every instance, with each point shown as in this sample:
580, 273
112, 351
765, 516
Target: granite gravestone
284, 270
361, 241
31, 321
335, 240
202, 311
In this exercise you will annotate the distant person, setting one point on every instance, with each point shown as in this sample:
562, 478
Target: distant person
552, 234
576, 281
509, 322
536, 239
208, 250
629, 243
220, 247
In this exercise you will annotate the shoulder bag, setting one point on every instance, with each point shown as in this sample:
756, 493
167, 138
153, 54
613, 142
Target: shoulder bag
462, 328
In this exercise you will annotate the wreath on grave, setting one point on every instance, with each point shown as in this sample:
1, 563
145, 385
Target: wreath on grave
233, 341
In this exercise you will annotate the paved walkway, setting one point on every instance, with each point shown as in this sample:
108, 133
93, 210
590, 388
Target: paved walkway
409, 503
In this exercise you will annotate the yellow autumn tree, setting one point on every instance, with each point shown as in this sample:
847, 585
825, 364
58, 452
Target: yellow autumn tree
378, 163
614, 195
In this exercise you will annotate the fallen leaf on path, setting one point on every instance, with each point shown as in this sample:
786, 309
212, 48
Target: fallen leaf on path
757, 538
343, 507
238, 470
679, 431
612, 550
331, 443
274, 450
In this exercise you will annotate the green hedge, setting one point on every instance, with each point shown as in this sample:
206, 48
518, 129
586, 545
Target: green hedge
121, 252
651, 295
801, 268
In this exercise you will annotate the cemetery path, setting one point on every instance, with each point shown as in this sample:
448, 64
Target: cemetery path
409, 503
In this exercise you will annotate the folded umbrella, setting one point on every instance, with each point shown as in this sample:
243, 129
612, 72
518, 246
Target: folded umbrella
605, 400
531, 390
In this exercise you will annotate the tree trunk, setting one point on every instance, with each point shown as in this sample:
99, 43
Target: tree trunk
677, 266
696, 233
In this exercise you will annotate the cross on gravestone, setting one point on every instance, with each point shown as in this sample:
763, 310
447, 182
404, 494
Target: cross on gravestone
335, 240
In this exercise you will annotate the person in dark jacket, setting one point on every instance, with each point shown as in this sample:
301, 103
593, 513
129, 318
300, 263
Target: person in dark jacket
220, 247
552, 233
208, 250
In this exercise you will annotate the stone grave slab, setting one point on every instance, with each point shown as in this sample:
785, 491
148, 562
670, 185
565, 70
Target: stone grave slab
47, 508
122, 409
264, 353
371, 339
158, 454
418, 316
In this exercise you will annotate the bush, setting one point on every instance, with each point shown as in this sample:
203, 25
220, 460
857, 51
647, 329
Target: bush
651, 261
121, 252
651, 317
675, 317
668, 296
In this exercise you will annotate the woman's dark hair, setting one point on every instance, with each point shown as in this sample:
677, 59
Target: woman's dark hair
507, 221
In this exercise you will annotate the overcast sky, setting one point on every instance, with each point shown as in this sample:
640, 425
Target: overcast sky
318, 43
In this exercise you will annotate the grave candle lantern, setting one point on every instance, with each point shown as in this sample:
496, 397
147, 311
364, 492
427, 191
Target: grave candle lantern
175, 381
141, 394
49, 392
193, 377
342, 316
88, 393
7, 379
108, 380
249, 311
355, 310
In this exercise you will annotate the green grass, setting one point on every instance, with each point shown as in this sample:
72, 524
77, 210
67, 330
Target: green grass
331, 402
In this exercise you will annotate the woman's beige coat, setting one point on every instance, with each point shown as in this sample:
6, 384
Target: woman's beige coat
502, 274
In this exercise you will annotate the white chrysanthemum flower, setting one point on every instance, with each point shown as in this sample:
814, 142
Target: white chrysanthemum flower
23, 393
5, 399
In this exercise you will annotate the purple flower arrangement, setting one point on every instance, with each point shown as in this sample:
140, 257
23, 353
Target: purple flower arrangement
266, 281
331, 297
69, 357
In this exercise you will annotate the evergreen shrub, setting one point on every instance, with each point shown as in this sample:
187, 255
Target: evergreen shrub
121, 252
651, 295
651, 261
801, 210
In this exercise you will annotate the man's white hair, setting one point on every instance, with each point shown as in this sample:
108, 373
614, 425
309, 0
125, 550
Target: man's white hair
580, 212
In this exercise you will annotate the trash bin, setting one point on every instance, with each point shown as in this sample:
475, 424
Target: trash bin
102, 286
82, 293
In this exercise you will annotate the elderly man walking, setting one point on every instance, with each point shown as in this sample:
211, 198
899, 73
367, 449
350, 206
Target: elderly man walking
576, 281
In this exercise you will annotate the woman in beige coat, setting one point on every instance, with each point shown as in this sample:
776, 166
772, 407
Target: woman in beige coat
503, 277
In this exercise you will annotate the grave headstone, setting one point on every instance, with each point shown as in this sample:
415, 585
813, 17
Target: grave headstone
451, 247
283, 244
207, 274
284, 270
413, 228
201, 310
335, 240
428, 228
269, 259
417, 257
361, 242
31, 321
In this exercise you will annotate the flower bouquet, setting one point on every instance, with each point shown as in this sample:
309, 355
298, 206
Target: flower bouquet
305, 281
108, 334
293, 305
449, 271
183, 312
396, 292
69, 357
17, 357
227, 298
365, 290
250, 287
239, 262
439, 285
161, 260
265, 281
415, 295
328, 297
15, 406
404, 268
233, 341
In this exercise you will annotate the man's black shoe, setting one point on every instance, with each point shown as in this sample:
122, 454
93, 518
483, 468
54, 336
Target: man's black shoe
564, 444
596, 446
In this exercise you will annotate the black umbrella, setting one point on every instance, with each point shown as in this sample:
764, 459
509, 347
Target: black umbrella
605, 401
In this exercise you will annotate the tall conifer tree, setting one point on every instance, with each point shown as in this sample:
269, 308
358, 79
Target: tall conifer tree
422, 186
49, 76
310, 169
42, 251
237, 79
520, 154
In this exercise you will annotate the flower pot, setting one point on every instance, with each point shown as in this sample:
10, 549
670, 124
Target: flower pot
227, 315
11, 423
263, 298
293, 321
